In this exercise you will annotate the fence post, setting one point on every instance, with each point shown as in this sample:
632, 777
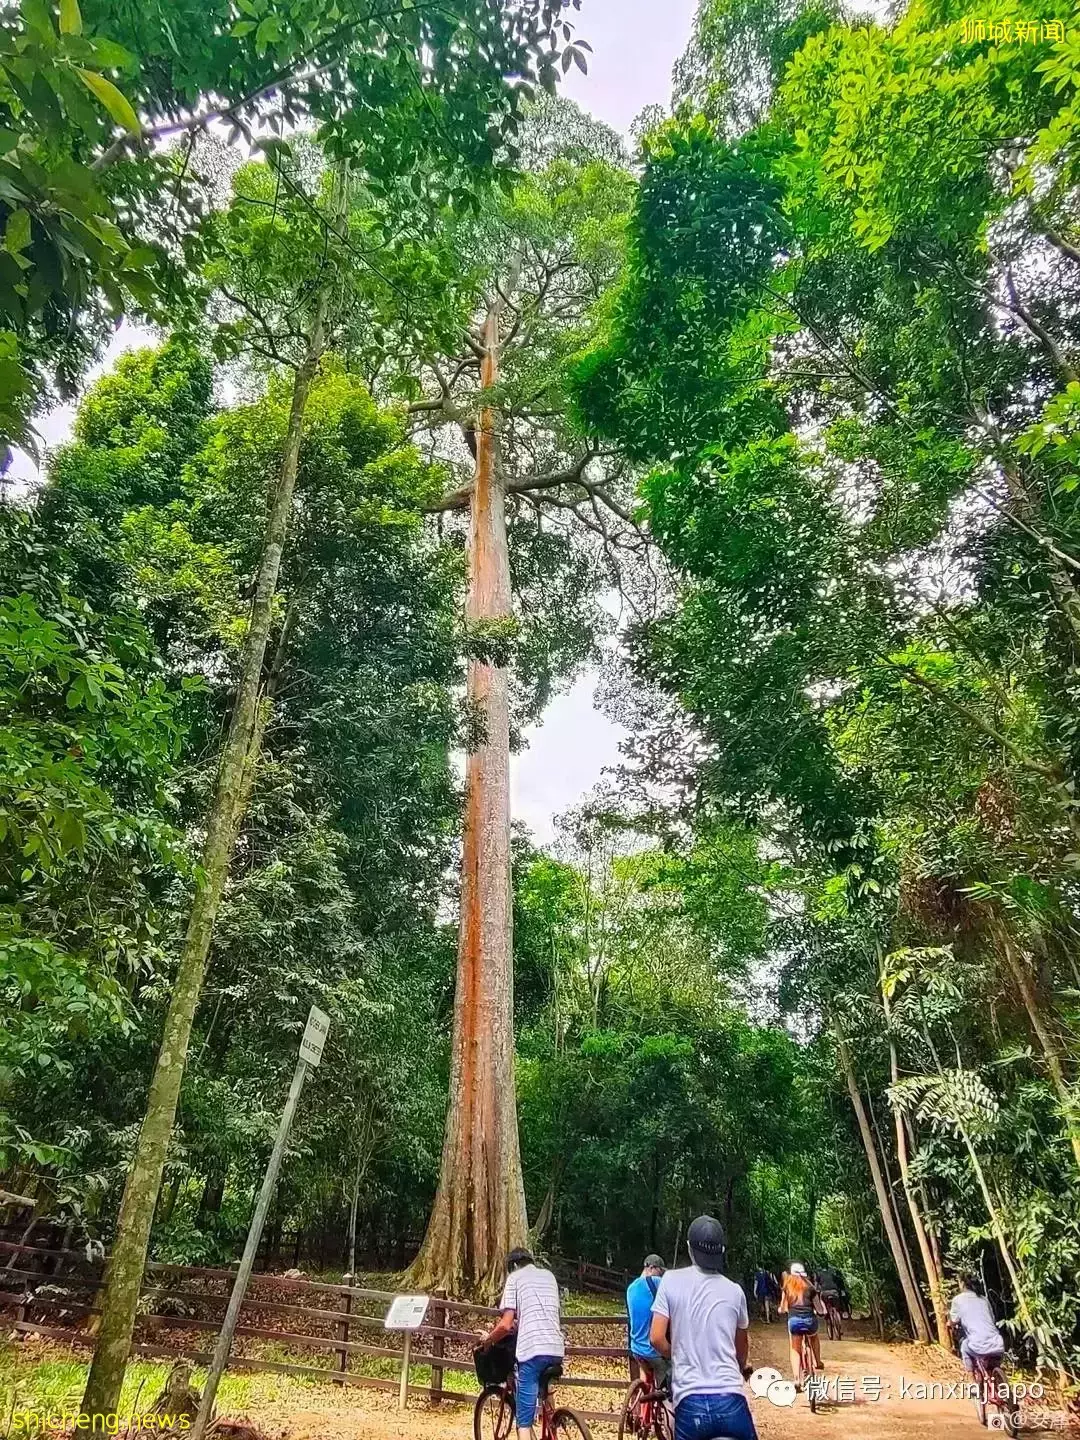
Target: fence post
403, 1391
343, 1334
438, 1346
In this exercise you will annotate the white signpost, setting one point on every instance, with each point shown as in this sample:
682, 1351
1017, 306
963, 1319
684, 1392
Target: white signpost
406, 1313
311, 1048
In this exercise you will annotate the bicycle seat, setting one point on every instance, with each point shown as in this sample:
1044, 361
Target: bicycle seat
548, 1376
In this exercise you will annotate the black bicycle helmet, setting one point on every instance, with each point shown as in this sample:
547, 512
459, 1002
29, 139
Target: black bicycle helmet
707, 1243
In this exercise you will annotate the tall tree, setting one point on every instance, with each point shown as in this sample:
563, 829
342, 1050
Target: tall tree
535, 266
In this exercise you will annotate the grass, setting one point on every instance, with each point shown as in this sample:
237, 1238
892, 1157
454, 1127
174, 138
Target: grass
577, 1303
49, 1377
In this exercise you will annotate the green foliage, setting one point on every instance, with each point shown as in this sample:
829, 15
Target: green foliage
156, 508
93, 221
646, 1093
844, 340
90, 736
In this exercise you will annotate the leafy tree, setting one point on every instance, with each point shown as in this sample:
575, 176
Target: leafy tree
92, 732
483, 367
95, 209
833, 345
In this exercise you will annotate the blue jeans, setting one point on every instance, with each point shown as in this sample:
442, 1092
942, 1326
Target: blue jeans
528, 1386
708, 1417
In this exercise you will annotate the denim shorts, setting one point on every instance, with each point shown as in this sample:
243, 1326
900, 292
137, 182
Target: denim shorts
528, 1386
802, 1325
708, 1417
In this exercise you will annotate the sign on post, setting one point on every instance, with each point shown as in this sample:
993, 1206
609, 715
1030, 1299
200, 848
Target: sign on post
315, 1032
311, 1048
406, 1313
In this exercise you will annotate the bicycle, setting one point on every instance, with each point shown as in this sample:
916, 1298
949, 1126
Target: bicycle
645, 1412
806, 1375
834, 1318
994, 1395
493, 1414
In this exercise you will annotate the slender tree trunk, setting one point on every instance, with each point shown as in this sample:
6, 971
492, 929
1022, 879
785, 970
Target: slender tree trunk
890, 1187
547, 1209
365, 1147
1021, 973
128, 1259
479, 1211
930, 1267
888, 1219
931, 1229
992, 1211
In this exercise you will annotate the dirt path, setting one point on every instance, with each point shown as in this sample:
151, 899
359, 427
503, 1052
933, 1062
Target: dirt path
900, 1376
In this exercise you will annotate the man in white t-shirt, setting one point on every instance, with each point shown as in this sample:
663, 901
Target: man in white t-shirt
530, 1304
700, 1320
971, 1316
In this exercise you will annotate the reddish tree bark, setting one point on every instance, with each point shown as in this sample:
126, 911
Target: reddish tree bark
479, 1211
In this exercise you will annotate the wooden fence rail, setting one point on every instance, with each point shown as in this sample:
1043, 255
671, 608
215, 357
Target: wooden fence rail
51, 1286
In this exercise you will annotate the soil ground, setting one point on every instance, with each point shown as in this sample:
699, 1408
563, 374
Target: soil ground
902, 1412
287, 1408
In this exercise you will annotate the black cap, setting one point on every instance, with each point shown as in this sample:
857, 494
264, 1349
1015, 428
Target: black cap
707, 1243
654, 1262
518, 1257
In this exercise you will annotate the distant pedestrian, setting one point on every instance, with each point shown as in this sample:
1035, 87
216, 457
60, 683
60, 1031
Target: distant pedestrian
765, 1293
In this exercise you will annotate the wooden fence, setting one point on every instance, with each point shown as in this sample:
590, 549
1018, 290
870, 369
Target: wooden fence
52, 1293
587, 1276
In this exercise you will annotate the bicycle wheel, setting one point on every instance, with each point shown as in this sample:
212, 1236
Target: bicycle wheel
1003, 1403
493, 1415
663, 1424
567, 1425
630, 1418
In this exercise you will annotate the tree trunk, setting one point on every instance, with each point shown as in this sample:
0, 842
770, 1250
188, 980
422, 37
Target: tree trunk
128, 1260
1019, 970
479, 1210
890, 1187
992, 1211
930, 1267
365, 1131
888, 1219
547, 1209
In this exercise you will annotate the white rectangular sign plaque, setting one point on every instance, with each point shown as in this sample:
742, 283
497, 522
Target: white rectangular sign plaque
406, 1312
311, 1046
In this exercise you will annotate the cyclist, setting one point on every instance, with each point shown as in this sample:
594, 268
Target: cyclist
833, 1289
530, 1302
700, 1322
640, 1295
797, 1296
972, 1321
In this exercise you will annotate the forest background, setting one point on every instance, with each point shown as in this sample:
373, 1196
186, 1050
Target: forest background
791, 391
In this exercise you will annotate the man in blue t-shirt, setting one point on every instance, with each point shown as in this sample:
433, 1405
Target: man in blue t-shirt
639, 1302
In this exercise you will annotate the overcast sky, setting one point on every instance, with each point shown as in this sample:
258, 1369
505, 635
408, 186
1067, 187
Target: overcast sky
635, 44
